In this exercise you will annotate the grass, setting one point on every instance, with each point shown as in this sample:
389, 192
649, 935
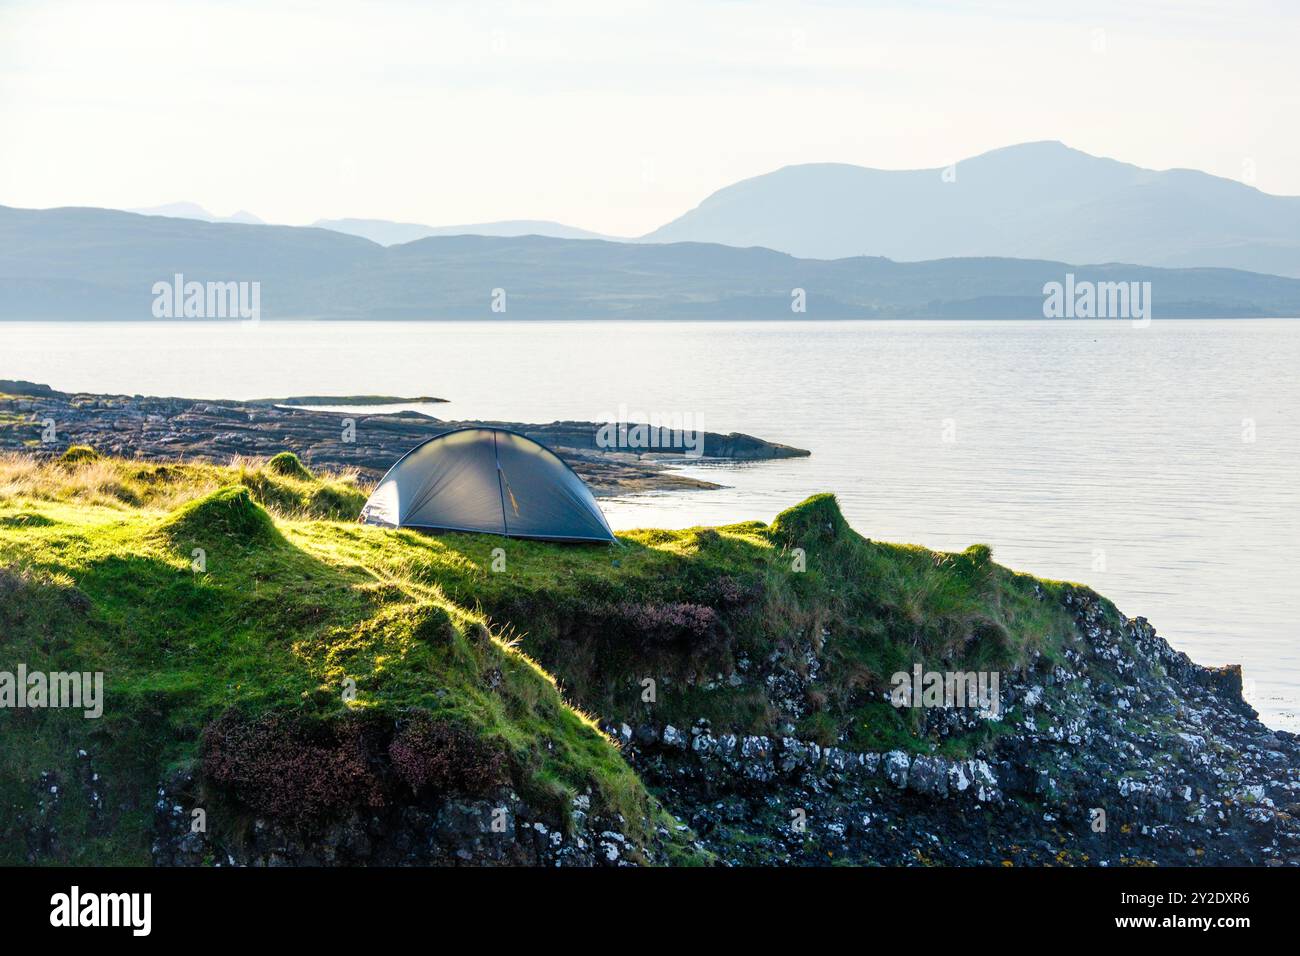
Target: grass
201, 589
99, 575
868, 608
81, 477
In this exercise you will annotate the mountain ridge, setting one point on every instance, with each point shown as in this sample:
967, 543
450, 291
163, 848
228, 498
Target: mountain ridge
1034, 200
190, 210
94, 263
388, 233
1031, 200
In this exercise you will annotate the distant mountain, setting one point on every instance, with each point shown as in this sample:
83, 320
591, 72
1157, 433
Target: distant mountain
1036, 200
189, 210
90, 263
102, 264
394, 233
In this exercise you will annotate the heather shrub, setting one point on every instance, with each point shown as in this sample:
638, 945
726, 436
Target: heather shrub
706, 538
441, 757
817, 521
974, 566
291, 769
732, 594
668, 622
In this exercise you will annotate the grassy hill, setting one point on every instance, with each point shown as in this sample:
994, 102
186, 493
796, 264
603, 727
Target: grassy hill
251, 632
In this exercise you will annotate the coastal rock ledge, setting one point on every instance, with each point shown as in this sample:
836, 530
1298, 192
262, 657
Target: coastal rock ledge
1168, 766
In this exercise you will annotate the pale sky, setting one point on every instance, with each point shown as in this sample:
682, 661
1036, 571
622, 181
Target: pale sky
611, 116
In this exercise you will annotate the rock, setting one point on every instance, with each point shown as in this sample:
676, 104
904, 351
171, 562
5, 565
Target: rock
796, 754
674, 738
985, 782
647, 735
895, 766
928, 775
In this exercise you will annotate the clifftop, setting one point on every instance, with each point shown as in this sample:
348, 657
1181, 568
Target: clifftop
328, 692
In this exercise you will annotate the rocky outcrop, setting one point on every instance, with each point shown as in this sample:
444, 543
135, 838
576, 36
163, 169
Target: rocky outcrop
169, 429
1123, 752
1120, 751
501, 830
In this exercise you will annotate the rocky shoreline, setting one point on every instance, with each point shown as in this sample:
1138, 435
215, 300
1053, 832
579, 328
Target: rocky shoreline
1168, 765
41, 420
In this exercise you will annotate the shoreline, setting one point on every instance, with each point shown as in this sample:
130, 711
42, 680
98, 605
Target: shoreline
676, 319
43, 421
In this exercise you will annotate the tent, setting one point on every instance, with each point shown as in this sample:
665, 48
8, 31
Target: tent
487, 480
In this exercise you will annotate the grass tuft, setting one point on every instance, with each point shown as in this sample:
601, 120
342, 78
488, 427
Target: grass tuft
288, 465
77, 454
228, 512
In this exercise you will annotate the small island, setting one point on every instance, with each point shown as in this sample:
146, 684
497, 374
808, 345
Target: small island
349, 400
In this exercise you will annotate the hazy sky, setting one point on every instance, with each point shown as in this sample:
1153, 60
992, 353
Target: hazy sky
611, 116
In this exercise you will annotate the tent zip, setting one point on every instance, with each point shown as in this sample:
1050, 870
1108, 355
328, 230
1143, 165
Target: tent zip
501, 490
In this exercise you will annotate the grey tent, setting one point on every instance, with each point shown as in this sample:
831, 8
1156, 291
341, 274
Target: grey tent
487, 480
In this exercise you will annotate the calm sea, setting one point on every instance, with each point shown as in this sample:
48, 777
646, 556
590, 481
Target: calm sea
1160, 465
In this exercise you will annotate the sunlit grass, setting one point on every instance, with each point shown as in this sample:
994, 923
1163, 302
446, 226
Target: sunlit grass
197, 588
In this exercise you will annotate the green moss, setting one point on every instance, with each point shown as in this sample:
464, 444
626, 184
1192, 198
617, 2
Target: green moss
817, 520
227, 513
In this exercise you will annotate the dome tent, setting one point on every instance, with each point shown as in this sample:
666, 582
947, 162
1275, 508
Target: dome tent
487, 480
